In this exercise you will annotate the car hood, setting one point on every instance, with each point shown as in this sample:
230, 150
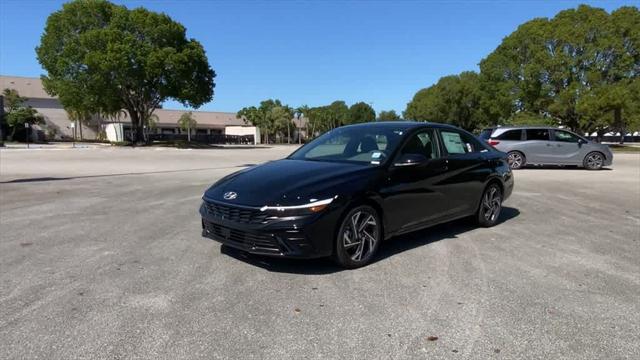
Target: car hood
288, 182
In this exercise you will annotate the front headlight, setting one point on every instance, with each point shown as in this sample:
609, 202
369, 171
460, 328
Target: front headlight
313, 207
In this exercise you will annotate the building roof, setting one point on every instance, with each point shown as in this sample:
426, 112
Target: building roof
166, 116
31, 88
26, 86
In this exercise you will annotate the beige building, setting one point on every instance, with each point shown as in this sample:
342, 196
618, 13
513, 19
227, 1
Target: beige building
59, 126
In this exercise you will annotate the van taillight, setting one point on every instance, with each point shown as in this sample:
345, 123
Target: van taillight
493, 142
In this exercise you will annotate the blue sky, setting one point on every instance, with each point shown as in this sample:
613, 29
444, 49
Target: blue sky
313, 53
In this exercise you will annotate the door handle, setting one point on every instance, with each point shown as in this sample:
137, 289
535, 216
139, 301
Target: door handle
549, 144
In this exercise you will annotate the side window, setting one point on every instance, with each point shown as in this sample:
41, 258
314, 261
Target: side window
565, 136
422, 143
460, 143
511, 135
538, 134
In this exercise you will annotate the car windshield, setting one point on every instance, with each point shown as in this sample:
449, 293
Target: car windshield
367, 145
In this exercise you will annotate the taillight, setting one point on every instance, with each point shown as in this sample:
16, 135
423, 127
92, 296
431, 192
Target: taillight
493, 142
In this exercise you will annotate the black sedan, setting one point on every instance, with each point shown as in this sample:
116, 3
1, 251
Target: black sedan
344, 192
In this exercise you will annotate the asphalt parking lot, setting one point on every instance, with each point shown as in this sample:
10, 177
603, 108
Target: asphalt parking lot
101, 257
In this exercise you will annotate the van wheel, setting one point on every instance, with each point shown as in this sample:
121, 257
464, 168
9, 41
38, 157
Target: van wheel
516, 159
593, 161
358, 238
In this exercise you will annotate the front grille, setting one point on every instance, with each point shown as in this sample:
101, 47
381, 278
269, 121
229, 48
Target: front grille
242, 239
236, 214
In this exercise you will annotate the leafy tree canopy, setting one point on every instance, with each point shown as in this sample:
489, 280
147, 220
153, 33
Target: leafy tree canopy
389, 115
361, 112
564, 67
454, 99
270, 117
187, 122
102, 57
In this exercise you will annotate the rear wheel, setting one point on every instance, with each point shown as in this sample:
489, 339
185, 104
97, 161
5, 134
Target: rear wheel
516, 159
593, 161
490, 206
358, 238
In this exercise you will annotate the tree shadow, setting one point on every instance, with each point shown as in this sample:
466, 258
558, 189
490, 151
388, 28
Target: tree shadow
387, 249
49, 178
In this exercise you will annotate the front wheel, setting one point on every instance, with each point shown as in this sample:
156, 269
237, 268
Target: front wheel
358, 238
593, 161
490, 206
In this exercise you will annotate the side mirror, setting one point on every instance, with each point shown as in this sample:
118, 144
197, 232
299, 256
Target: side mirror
410, 160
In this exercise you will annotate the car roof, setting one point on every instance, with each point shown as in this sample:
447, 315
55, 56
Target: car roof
403, 124
520, 127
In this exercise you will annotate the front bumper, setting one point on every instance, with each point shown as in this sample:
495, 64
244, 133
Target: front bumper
308, 236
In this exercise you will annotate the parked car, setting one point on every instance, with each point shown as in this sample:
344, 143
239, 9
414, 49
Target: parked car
343, 193
547, 146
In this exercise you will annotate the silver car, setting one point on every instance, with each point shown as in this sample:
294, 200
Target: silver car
547, 146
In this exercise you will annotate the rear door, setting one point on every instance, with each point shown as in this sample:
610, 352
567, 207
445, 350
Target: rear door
537, 146
467, 170
567, 148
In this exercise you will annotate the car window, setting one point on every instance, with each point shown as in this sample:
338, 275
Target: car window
486, 134
459, 143
565, 136
422, 143
537, 134
511, 135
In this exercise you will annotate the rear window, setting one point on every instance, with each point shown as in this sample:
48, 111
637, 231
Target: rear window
485, 134
511, 135
460, 143
537, 134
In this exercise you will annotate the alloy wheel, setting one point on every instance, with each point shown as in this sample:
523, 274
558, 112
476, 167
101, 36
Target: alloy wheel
515, 160
594, 161
491, 204
359, 238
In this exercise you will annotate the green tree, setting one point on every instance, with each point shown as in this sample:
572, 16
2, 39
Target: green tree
561, 67
280, 118
337, 114
79, 117
187, 123
271, 117
299, 113
16, 114
389, 115
102, 57
361, 112
454, 99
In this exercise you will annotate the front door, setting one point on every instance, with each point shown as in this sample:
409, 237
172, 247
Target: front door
414, 195
567, 148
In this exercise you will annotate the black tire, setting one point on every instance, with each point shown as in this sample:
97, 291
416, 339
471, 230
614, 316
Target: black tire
490, 206
593, 161
516, 160
347, 245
